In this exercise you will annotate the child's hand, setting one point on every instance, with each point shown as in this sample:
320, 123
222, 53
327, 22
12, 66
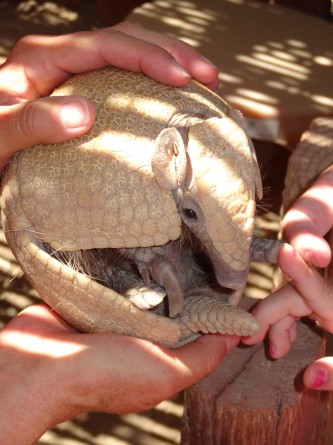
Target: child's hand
309, 294
310, 219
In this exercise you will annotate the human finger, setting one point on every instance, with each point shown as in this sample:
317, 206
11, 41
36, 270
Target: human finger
309, 294
273, 315
200, 68
56, 57
39, 334
47, 120
203, 356
319, 375
270, 311
310, 218
38, 318
281, 336
309, 287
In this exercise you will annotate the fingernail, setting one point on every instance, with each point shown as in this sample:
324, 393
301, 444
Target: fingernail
181, 69
209, 62
319, 379
75, 113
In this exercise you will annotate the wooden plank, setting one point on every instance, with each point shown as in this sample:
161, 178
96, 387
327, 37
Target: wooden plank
253, 400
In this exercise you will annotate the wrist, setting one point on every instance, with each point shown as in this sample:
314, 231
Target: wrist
24, 415
31, 396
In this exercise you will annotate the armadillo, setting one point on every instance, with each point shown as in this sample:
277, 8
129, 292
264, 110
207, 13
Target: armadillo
144, 225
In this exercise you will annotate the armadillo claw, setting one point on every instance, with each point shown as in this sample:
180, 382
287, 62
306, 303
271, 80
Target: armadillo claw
265, 250
210, 315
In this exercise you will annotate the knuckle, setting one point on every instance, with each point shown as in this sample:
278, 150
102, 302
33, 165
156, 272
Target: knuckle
24, 44
24, 121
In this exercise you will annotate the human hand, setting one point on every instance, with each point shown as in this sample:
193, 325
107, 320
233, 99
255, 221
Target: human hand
37, 64
310, 219
51, 372
309, 294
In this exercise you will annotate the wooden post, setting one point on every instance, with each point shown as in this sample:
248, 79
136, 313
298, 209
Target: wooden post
253, 400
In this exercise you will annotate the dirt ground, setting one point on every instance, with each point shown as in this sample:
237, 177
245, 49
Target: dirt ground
160, 426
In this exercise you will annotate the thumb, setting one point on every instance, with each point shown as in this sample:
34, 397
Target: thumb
319, 375
202, 356
47, 120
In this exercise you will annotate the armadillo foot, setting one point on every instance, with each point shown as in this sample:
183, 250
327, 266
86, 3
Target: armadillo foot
209, 314
265, 250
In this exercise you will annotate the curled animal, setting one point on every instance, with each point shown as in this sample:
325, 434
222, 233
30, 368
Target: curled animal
144, 225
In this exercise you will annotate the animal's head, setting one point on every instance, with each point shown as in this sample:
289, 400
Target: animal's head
214, 176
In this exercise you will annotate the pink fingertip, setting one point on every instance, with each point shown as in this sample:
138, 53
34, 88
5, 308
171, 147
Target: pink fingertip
319, 379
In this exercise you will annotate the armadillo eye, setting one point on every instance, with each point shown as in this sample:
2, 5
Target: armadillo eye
190, 214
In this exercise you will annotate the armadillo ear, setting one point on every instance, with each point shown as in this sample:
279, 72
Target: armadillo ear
169, 160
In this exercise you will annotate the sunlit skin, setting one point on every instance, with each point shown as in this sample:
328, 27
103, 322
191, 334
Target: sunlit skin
309, 294
50, 372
